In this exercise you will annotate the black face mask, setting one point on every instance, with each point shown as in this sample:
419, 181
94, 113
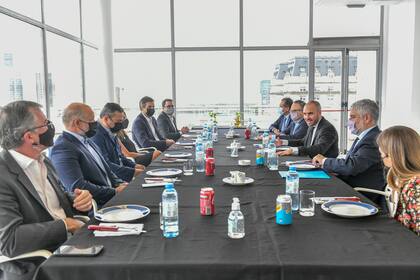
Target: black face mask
117, 127
92, 129
47, 138
125, 124
150, 112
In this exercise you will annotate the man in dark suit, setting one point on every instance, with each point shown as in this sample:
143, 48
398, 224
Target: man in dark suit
362, 166
167, 123
298, 127
111, 121
321, 137
77, 159
145, 129
283, 123
36, 213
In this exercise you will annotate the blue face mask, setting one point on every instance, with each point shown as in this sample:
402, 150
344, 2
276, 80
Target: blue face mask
352, 127
279, 110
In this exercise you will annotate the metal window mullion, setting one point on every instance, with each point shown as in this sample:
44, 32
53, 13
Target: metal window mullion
45, 59
379, 64
344, 97
172, 50
82, 54
241, 60
311, 60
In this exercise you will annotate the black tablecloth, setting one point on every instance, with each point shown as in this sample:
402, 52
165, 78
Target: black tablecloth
318, 247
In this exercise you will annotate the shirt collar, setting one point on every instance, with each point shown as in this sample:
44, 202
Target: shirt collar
79, 137
363, 134
316, 126
147, 118
108, 131
299, 121
24, 161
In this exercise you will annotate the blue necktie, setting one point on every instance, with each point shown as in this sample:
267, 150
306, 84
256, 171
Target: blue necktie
352, 147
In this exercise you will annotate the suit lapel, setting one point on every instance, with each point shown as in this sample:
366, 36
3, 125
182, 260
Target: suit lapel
149, 129
21, 176
55, 183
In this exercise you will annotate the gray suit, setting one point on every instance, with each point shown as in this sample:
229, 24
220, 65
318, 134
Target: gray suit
25, 223
166, 128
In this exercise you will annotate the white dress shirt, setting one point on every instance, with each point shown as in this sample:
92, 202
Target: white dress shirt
295, 150
37, 174
152, 127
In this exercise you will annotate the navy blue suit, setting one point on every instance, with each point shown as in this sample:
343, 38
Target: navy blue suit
111, 151
278, 124
143, 136
77, 168
362, 166
298, 133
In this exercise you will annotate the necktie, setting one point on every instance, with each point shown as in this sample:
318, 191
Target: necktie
352, 147
309, 138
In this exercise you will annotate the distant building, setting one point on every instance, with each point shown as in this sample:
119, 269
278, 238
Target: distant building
265, 86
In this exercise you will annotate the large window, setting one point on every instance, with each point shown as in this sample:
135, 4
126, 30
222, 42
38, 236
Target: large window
21, 68
73, 75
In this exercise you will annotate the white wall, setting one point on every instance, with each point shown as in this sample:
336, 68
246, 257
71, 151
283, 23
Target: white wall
401, 100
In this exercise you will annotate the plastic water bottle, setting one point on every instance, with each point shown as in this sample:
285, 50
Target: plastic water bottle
199, 156
170, 211
292, 187
236, 221
254, 131
214, 133
265, 139
272, 156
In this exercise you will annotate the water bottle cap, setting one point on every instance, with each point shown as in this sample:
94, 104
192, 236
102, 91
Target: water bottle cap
292, 168
235, 204
169, 186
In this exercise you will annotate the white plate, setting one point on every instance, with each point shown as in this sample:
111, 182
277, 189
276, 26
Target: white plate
349, 209
185, 143
122, 213
178, 155
241, 148
282, 148
228, 180
164, 172
189, 135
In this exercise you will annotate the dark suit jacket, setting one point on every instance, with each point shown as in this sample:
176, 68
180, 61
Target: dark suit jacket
143, 136
25, 223
279, 123
166, 128
111, 151
362, 166
77, 168
299, 133
325, 141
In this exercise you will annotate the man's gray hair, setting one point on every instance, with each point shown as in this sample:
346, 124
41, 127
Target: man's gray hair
16, 118
367, 106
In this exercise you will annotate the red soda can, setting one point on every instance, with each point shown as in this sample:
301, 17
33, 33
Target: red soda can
207, 202
209, 152
247, 133
210, 166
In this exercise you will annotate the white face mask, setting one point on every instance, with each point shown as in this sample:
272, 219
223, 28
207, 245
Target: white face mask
169, 111
294, 116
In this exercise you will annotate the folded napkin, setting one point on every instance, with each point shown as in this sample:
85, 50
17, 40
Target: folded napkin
126, 229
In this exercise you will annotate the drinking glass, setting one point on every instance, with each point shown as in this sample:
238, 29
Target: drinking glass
306, 203
188, 167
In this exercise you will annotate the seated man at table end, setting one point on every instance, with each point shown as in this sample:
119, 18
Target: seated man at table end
36, 213
145, 129
167, 123
321, 137
362, 166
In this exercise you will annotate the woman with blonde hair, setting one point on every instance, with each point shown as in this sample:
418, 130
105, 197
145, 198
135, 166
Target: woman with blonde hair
400, 151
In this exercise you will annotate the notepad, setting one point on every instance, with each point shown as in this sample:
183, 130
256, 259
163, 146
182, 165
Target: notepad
308, 174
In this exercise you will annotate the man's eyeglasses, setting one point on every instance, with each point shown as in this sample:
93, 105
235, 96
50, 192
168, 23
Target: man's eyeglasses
47, 123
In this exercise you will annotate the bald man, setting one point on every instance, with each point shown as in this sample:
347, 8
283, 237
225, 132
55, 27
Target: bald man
78, 160
321, 137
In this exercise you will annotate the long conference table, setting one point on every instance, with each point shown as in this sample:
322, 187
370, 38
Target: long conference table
319, 247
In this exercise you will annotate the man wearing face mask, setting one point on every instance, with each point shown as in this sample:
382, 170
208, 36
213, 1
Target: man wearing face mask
283, 123
167, 123
298, 127
36, 212
362, 166
145, 129
79, 160
111, 121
